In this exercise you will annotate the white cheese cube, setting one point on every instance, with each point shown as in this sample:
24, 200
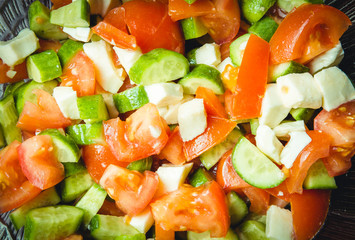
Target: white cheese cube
128, 57
66, 99
110, 105
298, 141
163, 94
107, 75
335, 86
330, 58
15, 51
171, 177
170, 112
143, 221
224, 63
11, 73
272, 109
267, 142
82, 34
278, 223
192, 119
102, 7
299, 90
208, 54
283, 130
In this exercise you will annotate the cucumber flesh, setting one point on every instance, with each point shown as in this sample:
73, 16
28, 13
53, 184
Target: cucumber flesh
138, 236
11, 89
2, 138
44, 66
193, 28
254, 167
92, 108
252, 230
237, 48
254, 10
130, 99
8, 120
206, 236
264, 28
74, 186
200, 177
304, 114
318, 177
283, 69
238, 209
75, 14
141, 165
85, 134
288, 5
191, 57
68, 50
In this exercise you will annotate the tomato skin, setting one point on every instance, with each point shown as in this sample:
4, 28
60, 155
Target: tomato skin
173, 150
212, 104
115, 17
309, 211
259, 199
131, 190
180, 9
197, 209
280, 192
339, 160
306, 32
38, 162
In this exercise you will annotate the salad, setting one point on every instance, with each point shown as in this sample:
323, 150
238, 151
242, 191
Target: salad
174, 119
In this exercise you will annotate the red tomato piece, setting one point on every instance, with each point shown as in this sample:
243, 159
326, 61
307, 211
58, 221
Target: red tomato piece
49, 45
212, 104
142, 134
38, 162
226, 176
153, 28
79, 73
197, 209
216, 131
245, 103
115, 17
161, 234
173, 150
60, 3
180, 9
20, 69
306, 32
339, 160
259, 199
223, 24
97, 158
309, 211
131, 190
46, 114
110, 208
280, 192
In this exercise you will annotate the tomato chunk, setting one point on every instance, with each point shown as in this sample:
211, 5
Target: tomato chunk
212, 104
180, 9
259, 199
20, 72
173, 150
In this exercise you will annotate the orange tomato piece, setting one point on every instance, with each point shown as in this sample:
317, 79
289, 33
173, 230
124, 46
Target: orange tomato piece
20, 69
229, 77
180, 9
173, 150
259, 199
115, 17
212, 104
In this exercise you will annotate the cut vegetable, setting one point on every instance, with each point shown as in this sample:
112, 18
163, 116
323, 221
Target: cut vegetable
130, 99
85, 134
8, 120
193, 28
75, 14
44, 66
92, 108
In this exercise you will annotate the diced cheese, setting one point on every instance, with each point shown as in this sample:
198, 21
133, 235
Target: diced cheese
102, 7
272, 109
66, 99
110, 105
283, 130
224, 63
143, 221
171, 177
267, 142
163, 94
170, 112
108, 76
208, 54
82, 34
299, 90
278, 223
11, 73
330, 58
15, 51
192, 119
128, 57
335, 86
298, 141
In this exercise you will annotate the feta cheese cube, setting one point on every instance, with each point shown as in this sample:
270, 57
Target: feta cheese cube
163, 94
128, 57
192, 119
170, 112
298, 141
224, 63
279, 223
330, 58
208, 54
142, 221
272, 109
267, 142
82, 34
66, 99
299, 90
283, 130
335, 86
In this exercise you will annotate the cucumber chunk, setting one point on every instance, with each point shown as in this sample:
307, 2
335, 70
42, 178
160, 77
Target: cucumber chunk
238, 209
138, 236
157, 66
11, 89
264, 28
68, 50
283, 69
204, 76
107, 227
254, 167
252, 230
92, 108
206, 236
44, 66
74, 186
193, 28
75, 14
130, 99
141, 165
200, 177
8, 120
55, 222
237, 49
254, 10
318, 177
85, 134
38, 17
304, 114
191, 57
48, 197
72, 168
65, 149
288, 5
2, 138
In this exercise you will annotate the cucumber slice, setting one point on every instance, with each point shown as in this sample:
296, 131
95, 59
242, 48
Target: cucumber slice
191, 57
206, 236
157, 66
25, 92
74, 186
318, 177
212, 156
65, 149
107, 227
252, 230
8, 120
141, 165
91, 202
238, 209
56, 222
205, 76
92, 108
254, 167
283, 69
200, 177
193, 28
46, 198
68, 50
2, 138
130, 99
85, 134
304, 114
256, 217
264, 28
44, 66
38, 17
237, 48
288, 5
254, 10
72, 168
75, 14
11, 89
